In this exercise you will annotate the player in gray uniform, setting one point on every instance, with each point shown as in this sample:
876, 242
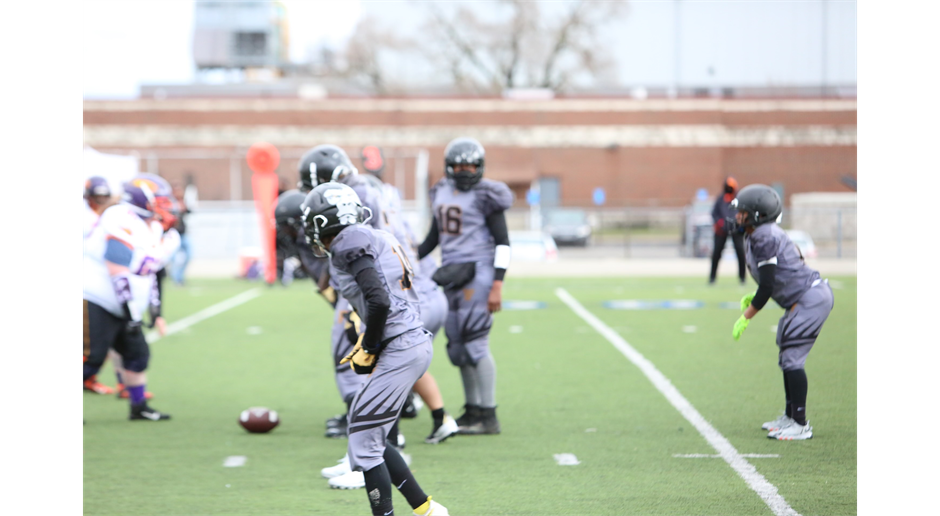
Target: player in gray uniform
470, 226
372, 271
291, 237
778, 267
433, 305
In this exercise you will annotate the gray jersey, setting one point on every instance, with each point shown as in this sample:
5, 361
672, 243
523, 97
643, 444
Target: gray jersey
770, 244
461, 219
393, 267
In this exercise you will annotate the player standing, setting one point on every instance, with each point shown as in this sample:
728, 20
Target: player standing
372, 271
97, 197
778, 267
470, 225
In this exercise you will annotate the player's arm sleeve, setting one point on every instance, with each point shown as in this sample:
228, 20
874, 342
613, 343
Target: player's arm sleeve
767, 274
765, 252
430, 241
496, 222
377, 301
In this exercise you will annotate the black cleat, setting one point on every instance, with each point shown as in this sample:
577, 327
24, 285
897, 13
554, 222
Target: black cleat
487, 424
409, 411
471, 413
338, 431
338, 420
144, 413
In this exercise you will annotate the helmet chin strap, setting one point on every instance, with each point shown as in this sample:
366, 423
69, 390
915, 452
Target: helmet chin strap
367, 219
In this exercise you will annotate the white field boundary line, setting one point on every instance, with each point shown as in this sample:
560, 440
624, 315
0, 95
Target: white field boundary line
204, 314
749, 473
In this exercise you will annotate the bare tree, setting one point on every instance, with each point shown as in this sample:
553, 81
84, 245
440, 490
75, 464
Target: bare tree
362, 54
520, 45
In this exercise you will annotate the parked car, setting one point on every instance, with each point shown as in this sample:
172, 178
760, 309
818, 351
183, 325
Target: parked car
532, 246
567, 226
804, 242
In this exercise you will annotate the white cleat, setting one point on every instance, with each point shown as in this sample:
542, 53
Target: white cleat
435, 509
777, 424
340, 469
401, 441
351, 480
448, 428
793, 432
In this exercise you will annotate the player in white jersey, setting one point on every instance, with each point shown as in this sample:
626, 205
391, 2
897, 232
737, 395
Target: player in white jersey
120, 257
97, 198
165, 209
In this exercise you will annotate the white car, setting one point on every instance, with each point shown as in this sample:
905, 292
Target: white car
804, 242
532, 246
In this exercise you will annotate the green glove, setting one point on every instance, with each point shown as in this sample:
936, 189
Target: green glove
739, 326
746, 301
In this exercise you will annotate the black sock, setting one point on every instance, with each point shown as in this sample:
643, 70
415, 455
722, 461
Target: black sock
393, 434
438, 415
786, 388
379, 490
403, 479
798, 388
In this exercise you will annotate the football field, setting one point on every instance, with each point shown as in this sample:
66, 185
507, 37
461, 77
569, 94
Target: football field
685, 442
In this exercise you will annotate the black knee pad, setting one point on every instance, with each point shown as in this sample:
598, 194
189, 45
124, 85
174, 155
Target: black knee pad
137, 364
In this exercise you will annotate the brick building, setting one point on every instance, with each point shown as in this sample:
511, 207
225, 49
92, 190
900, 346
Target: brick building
642, 152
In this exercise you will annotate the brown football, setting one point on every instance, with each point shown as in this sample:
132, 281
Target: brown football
258, 420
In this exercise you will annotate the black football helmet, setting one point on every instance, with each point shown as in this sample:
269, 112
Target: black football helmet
326, 210
761, 203
464, 151
287, 212
322, 164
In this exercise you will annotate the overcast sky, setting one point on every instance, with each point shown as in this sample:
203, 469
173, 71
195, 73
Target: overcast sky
751, 42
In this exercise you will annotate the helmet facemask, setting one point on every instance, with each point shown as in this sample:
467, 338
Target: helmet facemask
464, 151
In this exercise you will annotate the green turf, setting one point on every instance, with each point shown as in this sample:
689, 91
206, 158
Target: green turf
562, 388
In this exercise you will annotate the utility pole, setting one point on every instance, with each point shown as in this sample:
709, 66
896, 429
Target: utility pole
677, 54
825, 33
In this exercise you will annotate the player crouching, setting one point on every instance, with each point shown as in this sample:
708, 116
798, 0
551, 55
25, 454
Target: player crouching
118, 276
777, 265
374, 274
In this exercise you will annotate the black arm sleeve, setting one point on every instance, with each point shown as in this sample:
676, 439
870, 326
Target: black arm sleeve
377, 302
496, 223
430, 241
765, 286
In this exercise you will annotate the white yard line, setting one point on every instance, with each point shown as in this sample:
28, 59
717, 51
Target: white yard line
756, 481
202, 315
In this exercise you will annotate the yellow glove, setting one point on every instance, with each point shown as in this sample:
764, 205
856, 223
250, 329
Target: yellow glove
359, 360
739, 326
746, 301
329, 294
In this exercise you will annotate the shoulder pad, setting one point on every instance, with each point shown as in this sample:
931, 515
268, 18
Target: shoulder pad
493, 196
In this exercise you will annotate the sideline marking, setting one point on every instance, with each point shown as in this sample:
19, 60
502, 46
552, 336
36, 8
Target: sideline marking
756, 481
707, 456
566, 459
234, 461
669, 304
204, 314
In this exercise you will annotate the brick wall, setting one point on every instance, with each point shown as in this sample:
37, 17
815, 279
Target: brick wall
643, 153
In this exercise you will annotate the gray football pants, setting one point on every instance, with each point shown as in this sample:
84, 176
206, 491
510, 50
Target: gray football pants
800, 325
377, 405
469, 320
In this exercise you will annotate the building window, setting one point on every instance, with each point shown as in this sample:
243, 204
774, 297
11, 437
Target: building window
250, 43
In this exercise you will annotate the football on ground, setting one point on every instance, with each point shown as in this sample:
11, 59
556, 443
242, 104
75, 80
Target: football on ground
258, 420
